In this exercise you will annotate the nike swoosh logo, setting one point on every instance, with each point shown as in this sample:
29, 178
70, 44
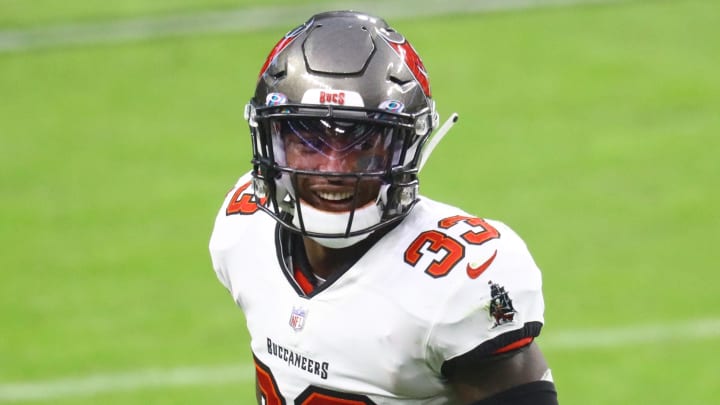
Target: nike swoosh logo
475, 271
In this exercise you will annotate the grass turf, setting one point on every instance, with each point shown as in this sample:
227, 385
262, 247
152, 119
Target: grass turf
590, 130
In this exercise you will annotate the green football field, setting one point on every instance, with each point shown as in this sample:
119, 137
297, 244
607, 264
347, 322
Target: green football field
592, 130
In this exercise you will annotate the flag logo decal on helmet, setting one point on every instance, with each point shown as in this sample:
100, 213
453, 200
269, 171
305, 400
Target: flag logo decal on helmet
274, 99
392, 106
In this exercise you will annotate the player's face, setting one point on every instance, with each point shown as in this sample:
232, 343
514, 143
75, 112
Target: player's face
341, 148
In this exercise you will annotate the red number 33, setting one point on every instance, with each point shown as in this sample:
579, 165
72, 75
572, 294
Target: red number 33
437, 241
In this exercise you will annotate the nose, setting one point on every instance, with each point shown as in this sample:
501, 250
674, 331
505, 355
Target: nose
334, 161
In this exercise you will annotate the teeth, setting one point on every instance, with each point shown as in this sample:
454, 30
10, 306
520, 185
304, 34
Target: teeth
334, 196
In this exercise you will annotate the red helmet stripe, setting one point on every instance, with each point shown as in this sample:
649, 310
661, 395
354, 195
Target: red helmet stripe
414, 63
282, 44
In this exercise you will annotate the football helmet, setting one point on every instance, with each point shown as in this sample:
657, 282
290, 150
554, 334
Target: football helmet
341, 111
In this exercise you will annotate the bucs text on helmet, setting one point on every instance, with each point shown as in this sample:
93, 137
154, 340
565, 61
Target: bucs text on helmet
342, 107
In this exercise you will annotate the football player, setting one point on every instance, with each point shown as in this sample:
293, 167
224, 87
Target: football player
356, 289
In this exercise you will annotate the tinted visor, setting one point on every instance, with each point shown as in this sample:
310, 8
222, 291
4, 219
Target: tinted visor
335, 146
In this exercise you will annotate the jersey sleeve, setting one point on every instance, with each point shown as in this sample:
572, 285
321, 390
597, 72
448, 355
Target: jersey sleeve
224, 235
493, 313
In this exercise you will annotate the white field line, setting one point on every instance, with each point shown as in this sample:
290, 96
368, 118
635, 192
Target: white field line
129, 381
248, 19
635, 335
570, 340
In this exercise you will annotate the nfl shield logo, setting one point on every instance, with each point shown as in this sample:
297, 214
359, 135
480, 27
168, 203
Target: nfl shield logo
297, 318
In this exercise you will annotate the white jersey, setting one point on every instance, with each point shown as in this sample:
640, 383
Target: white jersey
439, 285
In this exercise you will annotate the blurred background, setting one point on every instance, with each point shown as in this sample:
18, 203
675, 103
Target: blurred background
589, 127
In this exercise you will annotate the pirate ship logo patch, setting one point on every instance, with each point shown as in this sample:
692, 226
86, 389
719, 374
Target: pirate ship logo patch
501, 309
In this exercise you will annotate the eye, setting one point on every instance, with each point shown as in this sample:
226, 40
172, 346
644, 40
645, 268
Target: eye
371, 141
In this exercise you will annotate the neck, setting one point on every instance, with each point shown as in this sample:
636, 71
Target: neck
326, 261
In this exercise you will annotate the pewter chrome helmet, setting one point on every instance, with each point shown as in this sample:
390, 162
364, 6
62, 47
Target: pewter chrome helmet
341, 78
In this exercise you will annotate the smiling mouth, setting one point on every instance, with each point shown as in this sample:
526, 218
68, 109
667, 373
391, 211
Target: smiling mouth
335, 197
